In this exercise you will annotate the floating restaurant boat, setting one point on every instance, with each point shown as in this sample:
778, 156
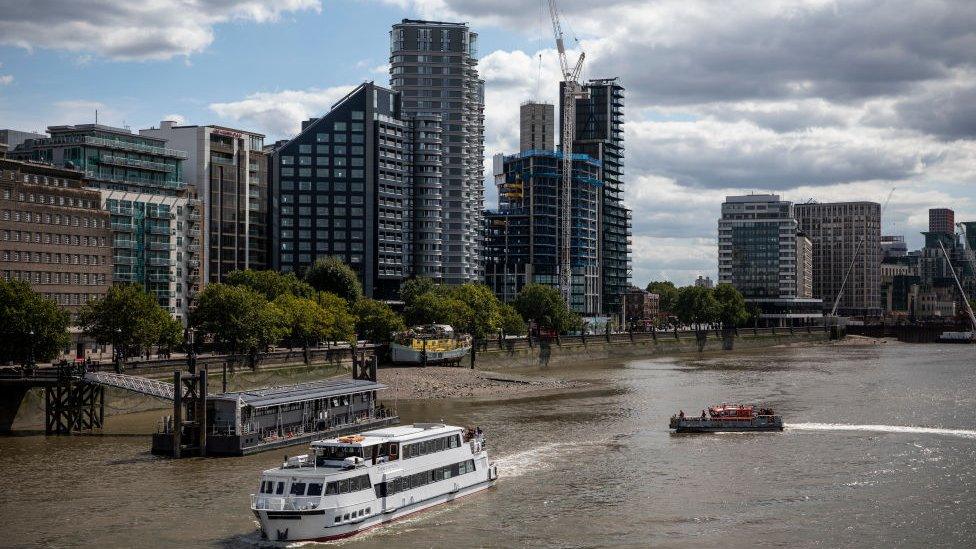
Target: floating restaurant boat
728, 417
429, 344
348, 484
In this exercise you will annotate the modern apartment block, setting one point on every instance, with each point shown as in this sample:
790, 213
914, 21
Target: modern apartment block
433, 65
757, 254
893, 246
523, 241
12, 138
54, 233
537, 127
155, 234
600, 135
845, 233
942, 220
339, 187
227, 170
804, 267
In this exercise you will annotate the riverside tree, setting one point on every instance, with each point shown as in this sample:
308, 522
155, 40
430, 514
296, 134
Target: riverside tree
342, 324
271, 284
481, 314
238, 318
696, 306
512, 322
305, 320
129, 318
375, 320
413, 288
732, 311
330, 274
668, 293
32, 327
545, 306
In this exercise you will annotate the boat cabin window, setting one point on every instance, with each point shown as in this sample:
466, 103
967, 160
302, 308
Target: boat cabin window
425, 447
281, 488
267, 487
423, 478
297, 489
348, 485
315, 489
336, 453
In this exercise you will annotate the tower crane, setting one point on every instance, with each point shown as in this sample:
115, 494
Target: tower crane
572, 90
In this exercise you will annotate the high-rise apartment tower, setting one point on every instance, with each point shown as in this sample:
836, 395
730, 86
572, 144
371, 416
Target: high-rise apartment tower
434, 66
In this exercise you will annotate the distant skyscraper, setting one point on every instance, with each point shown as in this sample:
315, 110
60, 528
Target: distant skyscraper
704, 282
227, 170
758, 255
537, 127
942, 220
338, 189
434, 66
845, 233
600, 134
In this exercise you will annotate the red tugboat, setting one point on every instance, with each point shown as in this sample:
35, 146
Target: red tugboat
728, 417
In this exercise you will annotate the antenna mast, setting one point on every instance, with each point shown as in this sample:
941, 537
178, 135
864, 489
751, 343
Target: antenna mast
572, 90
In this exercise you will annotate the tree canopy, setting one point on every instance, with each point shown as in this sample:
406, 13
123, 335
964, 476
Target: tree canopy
732, 310
238, 317
668, 293
271, 284
330, 274
696, 305
512, 322
545, 306
412, 288
22, 311
375, 320
129, 318
342, 324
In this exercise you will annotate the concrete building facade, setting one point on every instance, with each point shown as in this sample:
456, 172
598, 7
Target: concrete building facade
537, 127
433, 65
54, 233
942, 220
845, 233
804, 267
227, 170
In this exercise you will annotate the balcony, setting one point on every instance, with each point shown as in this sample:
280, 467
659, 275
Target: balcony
139, 181
160, 262
124, 243
123, 227
126, 146
133, 163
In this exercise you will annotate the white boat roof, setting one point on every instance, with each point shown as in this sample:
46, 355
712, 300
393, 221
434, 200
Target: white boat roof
397, 433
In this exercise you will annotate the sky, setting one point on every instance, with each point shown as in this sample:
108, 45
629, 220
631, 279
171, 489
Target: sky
812, 99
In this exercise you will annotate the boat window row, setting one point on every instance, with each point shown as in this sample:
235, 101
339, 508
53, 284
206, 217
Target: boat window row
424, 478
336, 487
337, 453
425, 447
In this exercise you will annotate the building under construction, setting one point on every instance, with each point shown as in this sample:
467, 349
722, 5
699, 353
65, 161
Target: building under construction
523, 240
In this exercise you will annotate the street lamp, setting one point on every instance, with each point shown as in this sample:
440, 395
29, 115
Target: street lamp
117, 351
30, 357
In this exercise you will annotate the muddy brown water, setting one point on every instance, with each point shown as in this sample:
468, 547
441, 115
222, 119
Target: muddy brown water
879, 450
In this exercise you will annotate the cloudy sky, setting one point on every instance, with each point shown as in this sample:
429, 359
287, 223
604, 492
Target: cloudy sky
812, 99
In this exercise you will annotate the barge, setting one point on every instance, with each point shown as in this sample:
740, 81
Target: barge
349, 484
728, 418
428, 345
250, 421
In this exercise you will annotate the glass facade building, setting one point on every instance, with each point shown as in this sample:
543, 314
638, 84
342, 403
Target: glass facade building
339, 188
141, 183
600, 135
523, 239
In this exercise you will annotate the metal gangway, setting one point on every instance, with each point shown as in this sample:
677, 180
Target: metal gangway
142, 385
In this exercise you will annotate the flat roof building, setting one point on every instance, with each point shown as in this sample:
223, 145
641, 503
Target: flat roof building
537, 127
942, 220
227, 170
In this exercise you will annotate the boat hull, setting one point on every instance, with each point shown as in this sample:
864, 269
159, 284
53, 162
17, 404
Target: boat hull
697, 425
311, 526
404, 354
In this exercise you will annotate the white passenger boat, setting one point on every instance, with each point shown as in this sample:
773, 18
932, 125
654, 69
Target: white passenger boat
349, 484
429, 344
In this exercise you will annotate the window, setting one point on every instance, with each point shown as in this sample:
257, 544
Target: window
281, 488
297, 489
305, 149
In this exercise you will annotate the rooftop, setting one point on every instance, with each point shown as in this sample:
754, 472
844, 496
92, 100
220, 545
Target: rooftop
273, 396
400, 432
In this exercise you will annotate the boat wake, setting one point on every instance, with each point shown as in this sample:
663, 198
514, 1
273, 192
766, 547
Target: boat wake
541, 457
960, 433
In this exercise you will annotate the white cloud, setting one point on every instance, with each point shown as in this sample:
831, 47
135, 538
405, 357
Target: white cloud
280, 114
178, 118
127, 30
6, 79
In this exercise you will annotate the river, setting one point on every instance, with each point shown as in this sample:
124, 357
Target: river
879, 450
